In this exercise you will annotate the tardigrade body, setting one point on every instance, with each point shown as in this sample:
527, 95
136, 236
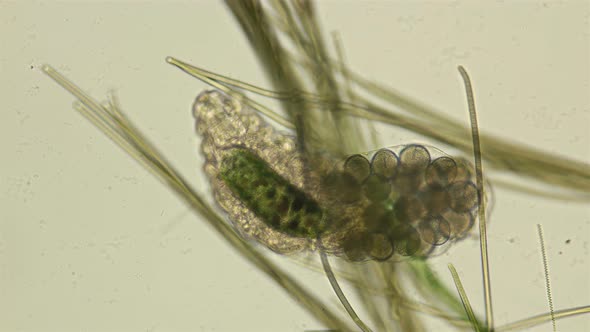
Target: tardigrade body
393, 202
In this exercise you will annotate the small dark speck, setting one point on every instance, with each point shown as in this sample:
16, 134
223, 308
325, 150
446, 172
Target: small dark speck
568, 241
511, 240
560, 253
32, 67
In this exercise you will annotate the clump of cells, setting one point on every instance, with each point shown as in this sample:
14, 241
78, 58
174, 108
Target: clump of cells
412, 203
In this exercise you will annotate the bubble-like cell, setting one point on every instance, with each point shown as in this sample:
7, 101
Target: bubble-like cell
220, 117
376, 188
377, 218
408, 183
441, 172
358, 166
384, 163
409, 209
465, 170
463, 195
406, 240
414, 158
342, 186
460, 223
436, 231
381, 247
436, 200
354, 246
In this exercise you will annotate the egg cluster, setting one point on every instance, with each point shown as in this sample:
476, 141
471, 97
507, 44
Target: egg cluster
412, 204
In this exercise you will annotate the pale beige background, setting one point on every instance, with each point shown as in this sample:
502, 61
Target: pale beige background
90, 242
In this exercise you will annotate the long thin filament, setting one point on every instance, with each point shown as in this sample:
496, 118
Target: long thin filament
339, 293
547, 281
483, 239
464, 298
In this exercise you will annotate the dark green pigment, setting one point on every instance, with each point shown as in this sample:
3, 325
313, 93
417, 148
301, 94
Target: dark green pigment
270, 197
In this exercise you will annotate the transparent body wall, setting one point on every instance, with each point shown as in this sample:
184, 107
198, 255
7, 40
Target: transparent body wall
380, 214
